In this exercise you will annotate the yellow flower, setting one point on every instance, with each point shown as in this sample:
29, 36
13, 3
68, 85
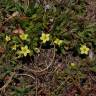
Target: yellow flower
84, 49
24, 51
44, 37
14, 47
23, 36
58, 42
7, 38
72, 64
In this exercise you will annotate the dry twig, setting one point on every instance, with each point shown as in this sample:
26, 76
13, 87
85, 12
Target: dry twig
8, 82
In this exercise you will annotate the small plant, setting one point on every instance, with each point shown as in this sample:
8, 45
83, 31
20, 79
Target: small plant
48, 46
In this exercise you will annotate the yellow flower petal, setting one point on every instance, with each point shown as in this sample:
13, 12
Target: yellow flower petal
7, 38
87, 49
86, 52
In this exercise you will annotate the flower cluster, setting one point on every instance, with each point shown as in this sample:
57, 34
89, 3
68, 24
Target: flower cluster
45, 37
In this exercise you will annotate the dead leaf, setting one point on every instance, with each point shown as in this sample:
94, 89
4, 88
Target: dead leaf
23, 17
12, 16
2, 50
18, 31
15, 14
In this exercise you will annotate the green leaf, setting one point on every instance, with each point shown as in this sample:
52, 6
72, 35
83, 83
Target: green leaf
93, 68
